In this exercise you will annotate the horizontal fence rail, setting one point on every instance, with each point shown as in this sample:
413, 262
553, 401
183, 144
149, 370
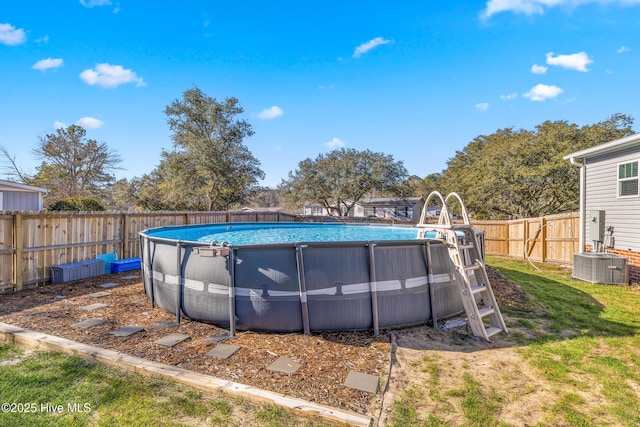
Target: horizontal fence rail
32, 242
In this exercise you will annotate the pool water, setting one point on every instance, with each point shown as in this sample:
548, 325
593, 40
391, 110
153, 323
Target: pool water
247, 234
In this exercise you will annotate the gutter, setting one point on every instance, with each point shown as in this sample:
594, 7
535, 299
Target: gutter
583, 173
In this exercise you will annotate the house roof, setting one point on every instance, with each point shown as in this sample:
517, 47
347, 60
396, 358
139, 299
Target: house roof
389, 201
14, 186
616, 145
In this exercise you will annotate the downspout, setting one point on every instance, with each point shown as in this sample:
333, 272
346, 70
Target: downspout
583, 173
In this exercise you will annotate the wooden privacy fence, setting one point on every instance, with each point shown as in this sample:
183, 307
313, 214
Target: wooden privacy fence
552, 238
32, 242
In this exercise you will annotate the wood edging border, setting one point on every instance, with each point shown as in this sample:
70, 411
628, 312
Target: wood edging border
37, 340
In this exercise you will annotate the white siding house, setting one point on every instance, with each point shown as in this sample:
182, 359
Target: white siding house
20, 197
609, 183
409, 208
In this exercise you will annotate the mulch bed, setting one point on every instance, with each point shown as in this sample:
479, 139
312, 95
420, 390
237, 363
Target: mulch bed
325, 358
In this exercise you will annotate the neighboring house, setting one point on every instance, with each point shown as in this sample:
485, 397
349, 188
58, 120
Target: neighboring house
409, 208
610, 194
21, 197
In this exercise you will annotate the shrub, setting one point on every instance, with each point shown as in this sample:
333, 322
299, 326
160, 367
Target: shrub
77, 204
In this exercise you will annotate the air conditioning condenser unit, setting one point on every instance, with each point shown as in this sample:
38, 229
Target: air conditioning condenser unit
600, 267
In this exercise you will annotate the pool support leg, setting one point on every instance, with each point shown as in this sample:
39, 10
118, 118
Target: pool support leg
149, 264
179, 284
432, 292
373, 289
231, 259
303, 289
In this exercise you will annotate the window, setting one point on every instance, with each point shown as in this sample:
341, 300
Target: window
628, 179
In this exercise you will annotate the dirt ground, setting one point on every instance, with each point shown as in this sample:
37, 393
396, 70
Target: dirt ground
326, 358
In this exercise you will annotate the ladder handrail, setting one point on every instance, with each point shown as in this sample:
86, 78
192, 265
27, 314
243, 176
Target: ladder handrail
444, 218
465, 215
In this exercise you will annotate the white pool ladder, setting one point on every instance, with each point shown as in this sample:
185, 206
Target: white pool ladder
471, 274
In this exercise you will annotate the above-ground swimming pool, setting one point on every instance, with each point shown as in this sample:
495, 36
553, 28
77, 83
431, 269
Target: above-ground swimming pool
290, 277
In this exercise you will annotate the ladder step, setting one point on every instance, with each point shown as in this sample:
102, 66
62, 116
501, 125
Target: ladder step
493, 330
485, 311
472, 267
477, 289
467, 246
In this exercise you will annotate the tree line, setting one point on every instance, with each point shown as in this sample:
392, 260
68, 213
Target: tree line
508, 174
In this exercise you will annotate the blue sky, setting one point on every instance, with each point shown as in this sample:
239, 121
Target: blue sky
415, 79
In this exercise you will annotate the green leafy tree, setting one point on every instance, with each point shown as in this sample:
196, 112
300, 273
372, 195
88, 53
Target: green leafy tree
339, 179
422, 187
517, 174
209, 167
72, 165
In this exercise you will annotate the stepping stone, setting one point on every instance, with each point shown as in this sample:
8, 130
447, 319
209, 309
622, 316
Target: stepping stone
223, 351
95, 306
130, 277
126, 331
163, 324
363, 382
109, 285
172, 339
284, 364
89, 323
99, 294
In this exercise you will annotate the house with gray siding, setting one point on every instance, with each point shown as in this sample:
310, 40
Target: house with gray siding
21, 197
609, 193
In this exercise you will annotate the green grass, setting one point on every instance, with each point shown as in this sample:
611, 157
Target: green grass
582, 339
109, 397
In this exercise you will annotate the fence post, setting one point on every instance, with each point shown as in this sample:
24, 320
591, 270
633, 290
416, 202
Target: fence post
543, 237
18, 243
125, 236
525, 237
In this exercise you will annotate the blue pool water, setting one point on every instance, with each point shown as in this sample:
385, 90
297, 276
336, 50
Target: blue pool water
247, 234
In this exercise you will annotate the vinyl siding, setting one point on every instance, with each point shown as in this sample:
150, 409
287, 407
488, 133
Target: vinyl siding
20, 201
602, 194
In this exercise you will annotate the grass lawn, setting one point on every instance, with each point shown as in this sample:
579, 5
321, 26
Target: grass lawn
50, 389
575, 361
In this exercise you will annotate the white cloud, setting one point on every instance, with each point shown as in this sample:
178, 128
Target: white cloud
367, 46
537, 7
11, 35
538, 69
44, 39
57, 124
271, 113
509, 96
484, 106
106, 75
94, 3
542, 92
575, 61
623, 49
45, 64
334, 143
90, 123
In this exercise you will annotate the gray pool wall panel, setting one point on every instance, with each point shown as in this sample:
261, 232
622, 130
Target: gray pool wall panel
338, 288
402, 285
267, 293
266, 289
